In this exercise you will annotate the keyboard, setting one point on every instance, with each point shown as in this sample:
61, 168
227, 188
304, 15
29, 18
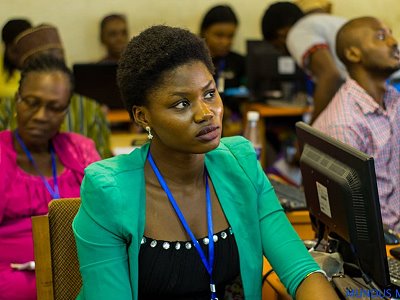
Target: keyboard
290, 197
394, 270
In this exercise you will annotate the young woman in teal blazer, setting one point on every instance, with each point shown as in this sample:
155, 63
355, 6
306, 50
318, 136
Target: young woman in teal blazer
188, 215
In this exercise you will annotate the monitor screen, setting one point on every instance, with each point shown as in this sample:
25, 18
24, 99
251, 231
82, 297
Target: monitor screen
342, 194
271, 74
98, 81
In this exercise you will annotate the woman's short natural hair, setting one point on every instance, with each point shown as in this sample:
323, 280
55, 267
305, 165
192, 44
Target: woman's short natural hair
150, 55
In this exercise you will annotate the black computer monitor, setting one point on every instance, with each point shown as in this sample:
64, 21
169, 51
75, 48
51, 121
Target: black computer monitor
271, 74
99, 82
341, 193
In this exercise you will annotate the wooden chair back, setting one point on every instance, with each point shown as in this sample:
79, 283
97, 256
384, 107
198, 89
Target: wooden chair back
57, 265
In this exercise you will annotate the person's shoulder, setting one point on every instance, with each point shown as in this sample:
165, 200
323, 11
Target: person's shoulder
351, 92
303, 26
335, 18
237, 145
234, 141
339, 102
340, 112
317, 17
5, 135
75, 150
6, 146
75, 139
73, 136
5, 140
316, 21
120, 165
237, 155
235, 60
81, 100
235, 55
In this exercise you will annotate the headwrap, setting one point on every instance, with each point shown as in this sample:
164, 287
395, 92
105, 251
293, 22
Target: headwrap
36, 39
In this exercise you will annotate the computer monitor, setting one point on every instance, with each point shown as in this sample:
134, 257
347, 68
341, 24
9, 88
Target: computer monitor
341, 193
271, 74
98, 81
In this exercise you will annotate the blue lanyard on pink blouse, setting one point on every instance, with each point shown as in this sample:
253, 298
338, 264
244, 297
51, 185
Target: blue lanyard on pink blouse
55, 194
209, 264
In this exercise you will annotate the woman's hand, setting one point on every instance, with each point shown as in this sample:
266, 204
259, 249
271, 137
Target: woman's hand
28, 266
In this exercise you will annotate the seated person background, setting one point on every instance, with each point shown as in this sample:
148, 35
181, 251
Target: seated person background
277, 20
113, 36
311, 42
9, 73
365, 111
127, 231
85, 116
37, 164
218, 29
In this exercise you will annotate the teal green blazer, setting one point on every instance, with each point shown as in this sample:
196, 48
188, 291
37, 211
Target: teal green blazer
110, 223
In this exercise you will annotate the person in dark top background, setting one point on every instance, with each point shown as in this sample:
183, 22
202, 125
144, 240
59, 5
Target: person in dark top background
113, 36
277, 20
218, 29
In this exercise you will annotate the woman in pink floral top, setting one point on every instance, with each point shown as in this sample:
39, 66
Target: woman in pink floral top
37, 164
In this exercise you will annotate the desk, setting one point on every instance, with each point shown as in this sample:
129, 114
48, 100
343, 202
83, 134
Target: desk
268, 111
274, 289
302, 224
118, 116
122, 142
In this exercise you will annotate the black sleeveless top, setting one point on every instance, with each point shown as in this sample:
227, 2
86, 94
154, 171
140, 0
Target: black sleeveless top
174, 270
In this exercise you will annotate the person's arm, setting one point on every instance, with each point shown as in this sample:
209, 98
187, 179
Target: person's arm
100, 240
316, 286
286, 252
327, 76
291, 261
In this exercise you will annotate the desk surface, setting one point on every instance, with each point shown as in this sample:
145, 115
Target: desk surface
118, 116
266, 110
274, 289
122, 142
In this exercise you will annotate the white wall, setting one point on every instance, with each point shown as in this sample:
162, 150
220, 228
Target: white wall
78, 20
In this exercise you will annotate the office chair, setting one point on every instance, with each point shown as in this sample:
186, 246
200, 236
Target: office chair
57, 266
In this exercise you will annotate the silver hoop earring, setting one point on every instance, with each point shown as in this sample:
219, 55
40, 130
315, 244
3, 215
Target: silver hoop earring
149, 135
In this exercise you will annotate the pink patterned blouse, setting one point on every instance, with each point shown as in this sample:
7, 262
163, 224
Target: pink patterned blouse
23, 195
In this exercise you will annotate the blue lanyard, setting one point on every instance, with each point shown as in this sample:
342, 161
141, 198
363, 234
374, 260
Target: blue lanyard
221, 65
207, 263
55, 194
